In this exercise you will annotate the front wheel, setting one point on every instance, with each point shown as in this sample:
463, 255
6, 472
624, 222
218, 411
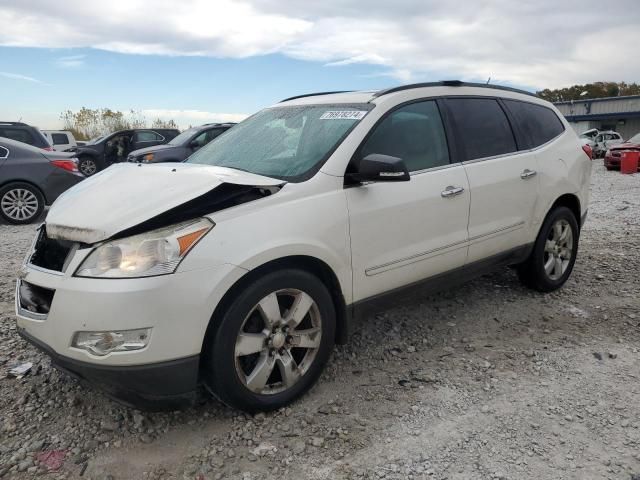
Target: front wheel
272, 342
554, 252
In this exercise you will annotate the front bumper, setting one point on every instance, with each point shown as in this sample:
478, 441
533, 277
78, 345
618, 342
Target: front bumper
158, 386
177, 308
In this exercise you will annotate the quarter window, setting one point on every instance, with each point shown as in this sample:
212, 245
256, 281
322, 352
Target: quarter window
4, 153
482, 126
413, 133
537, 124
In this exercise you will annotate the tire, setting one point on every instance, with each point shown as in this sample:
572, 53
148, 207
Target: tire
564, 250
609, 168
88, 166
20, 203
233, 368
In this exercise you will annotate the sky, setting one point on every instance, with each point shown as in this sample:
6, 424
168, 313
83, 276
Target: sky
199, 61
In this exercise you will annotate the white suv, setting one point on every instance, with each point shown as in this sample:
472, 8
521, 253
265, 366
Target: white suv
241, 267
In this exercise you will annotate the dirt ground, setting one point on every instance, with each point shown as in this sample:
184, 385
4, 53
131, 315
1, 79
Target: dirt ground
488, 381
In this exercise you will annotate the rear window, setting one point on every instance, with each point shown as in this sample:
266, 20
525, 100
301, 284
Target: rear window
482, 126
59, 138
537, 124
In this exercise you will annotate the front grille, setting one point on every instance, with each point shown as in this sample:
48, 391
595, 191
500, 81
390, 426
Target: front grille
35, 299
49, 253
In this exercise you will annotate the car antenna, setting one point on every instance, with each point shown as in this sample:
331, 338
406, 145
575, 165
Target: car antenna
488, 80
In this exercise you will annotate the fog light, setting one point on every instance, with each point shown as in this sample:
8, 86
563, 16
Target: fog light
103, 343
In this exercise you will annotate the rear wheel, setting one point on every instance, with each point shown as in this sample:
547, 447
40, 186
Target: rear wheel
554, 252
272, 342
20, 203
88, 166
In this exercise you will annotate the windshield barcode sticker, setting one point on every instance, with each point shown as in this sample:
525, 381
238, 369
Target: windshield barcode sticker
343, 115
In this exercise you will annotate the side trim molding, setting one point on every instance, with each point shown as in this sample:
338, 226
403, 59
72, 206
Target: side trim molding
440, 282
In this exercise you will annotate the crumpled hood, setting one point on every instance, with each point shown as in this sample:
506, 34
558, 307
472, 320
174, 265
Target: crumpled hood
125, 195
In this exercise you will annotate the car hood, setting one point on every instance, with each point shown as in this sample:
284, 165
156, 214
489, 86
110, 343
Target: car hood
155, 148
126, 195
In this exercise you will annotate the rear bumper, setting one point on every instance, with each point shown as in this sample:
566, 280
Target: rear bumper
611, 162
157, 386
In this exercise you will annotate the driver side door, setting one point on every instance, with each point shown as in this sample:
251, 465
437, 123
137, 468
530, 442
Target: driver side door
404, 232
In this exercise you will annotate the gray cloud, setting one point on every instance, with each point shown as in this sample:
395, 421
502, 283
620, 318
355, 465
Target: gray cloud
546, 43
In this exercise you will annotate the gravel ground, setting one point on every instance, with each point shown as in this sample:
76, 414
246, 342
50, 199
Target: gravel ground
488, 381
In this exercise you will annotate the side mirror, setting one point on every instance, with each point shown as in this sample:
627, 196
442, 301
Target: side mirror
381, 168
194, 145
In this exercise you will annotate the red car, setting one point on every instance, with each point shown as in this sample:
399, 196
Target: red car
614, 154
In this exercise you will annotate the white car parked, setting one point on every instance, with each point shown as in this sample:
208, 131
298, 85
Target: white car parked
60, 139
241, 267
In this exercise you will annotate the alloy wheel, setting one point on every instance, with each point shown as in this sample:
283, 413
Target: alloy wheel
558, 249
87, 167
19, 204
278, 341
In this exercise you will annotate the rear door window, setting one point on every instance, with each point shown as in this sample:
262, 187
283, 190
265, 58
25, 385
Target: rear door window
148, 136
537, 124
482, 127
17, 134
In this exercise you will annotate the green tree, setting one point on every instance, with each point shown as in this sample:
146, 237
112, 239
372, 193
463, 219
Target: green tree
88, 123
590, 90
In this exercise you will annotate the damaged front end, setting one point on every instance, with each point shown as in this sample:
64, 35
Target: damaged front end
128, 199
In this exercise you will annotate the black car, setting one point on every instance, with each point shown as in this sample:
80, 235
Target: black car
31, 178
182, 146
114, 148
21, 132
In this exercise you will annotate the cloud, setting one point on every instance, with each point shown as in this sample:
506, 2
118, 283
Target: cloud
72, 61
24, 78
540, 44
184, 118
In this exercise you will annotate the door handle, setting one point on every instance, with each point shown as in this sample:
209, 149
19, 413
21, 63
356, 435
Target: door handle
528, 174
451, 191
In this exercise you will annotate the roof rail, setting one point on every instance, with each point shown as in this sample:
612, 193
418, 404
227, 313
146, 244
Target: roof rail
450, 83
313, 95
14, 123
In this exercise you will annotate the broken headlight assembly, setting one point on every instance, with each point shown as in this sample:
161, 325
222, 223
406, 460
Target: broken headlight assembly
158, 252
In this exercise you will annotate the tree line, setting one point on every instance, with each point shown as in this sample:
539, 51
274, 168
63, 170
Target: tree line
590, 90
89, 123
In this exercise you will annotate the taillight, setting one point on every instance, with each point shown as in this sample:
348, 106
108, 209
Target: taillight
69, 165
588, 150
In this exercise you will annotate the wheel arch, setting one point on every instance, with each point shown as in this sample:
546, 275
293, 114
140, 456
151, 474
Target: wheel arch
305, 263
572, 202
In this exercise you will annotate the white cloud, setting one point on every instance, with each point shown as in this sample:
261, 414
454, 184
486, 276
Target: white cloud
545, 43
71, 61
23, 78
184, 118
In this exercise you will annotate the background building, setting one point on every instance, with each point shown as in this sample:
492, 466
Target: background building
621, 114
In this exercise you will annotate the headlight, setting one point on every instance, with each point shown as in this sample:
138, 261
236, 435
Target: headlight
148, 157
158, 252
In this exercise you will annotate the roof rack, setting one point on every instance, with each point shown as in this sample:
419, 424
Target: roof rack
313, 95
450, 83
14, 123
